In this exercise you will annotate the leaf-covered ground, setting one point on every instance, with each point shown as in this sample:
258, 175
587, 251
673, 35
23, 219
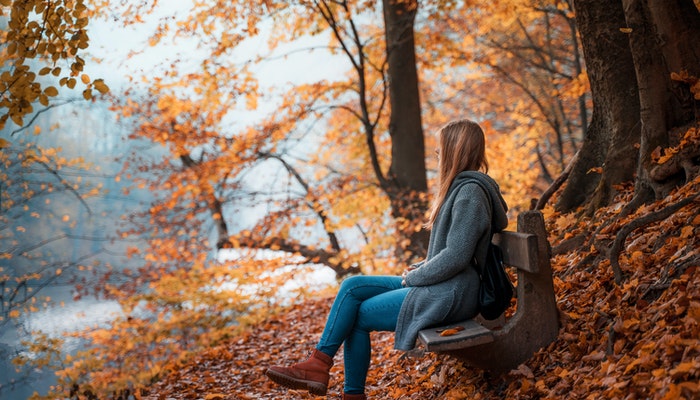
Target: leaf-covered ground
638, 339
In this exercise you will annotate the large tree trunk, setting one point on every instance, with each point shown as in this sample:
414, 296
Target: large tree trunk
665, 39
407, 183
610, 140
405, 126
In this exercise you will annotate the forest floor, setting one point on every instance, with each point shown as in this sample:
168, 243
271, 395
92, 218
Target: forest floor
638, 338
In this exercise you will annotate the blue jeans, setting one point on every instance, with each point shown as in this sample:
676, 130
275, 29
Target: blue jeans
363, 304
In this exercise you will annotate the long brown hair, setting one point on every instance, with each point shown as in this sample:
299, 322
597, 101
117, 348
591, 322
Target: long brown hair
461, 147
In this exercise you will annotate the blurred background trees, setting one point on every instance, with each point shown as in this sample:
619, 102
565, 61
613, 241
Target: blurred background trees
333, 169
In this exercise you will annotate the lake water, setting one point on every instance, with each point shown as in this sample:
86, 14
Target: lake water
55, 322
76, 315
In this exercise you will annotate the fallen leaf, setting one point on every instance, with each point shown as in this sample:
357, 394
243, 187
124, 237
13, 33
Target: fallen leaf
451, 331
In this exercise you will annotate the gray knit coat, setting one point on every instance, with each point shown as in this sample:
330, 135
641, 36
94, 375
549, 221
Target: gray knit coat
444, 287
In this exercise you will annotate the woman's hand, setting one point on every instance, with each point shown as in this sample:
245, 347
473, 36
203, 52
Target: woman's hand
405, 272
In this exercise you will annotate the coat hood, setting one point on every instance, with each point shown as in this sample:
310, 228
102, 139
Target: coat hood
499, 216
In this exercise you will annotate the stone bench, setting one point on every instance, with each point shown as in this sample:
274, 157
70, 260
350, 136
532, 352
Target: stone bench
502, 345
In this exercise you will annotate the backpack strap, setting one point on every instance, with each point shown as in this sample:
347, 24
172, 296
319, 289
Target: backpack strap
482, 185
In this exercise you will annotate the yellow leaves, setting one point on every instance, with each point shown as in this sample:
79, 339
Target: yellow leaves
51, 91
28, 38
661, 156
251, 100
69, 82
685, 368
4, 143
692, 81
100, 86
578, 86
567, 220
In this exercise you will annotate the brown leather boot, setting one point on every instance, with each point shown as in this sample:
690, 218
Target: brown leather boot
311, 375
354, 396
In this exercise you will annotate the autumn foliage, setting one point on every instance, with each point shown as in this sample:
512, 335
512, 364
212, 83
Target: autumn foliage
39, 30
319, 179
638, 338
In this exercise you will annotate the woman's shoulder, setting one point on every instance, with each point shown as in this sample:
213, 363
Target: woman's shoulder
469, 187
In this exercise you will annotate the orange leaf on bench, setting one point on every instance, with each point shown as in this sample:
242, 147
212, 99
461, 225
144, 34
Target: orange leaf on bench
451, 331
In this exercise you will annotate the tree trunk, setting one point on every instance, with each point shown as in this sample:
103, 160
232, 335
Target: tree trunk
665, 39
407, 183
405, 126
613, 133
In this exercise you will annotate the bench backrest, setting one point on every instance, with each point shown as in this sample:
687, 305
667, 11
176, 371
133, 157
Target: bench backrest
519, 250
535, 322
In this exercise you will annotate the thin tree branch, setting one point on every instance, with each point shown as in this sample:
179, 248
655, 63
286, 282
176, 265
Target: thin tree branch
557, 183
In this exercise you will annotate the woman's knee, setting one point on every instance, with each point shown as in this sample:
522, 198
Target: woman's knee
353, 282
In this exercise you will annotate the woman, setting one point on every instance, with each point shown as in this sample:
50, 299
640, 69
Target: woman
439, 290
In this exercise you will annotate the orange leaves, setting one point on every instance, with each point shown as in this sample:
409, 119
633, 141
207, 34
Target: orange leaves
661, 156
692, 81
28, 39
577, 87
690, 138
642, 336
566, 221
639, 339
684, 390
451, 331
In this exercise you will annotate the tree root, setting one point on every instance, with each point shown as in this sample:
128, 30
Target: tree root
616, 248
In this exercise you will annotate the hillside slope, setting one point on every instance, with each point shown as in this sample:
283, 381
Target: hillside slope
636, 339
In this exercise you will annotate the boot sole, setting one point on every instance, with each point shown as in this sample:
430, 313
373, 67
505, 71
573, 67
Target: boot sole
317, 388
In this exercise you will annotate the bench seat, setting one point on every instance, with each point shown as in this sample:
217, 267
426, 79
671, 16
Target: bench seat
502, 345
472, 334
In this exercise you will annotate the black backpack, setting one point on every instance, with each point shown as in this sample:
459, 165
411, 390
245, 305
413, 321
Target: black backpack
496, 289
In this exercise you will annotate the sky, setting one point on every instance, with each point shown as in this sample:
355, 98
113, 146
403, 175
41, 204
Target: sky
111, 42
